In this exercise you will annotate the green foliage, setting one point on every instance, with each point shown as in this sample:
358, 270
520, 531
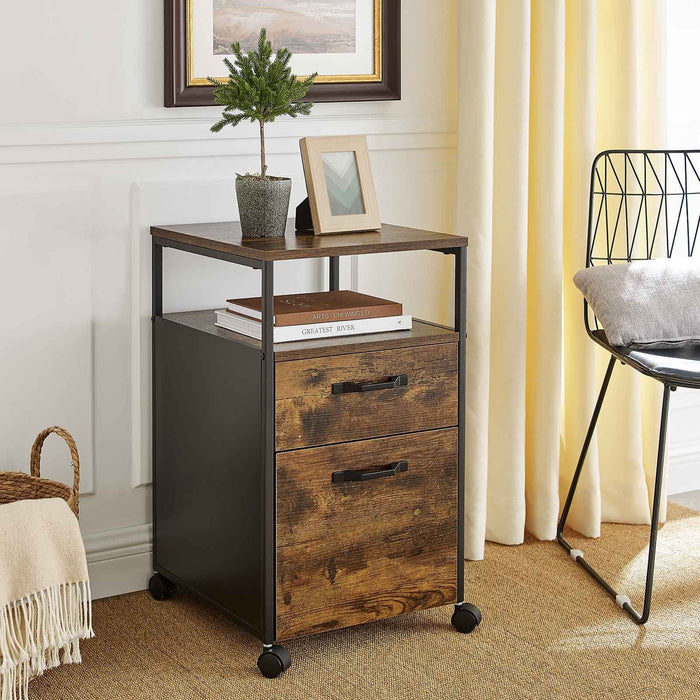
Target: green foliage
260, 88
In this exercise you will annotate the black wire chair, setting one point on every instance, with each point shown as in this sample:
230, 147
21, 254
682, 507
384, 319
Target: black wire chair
642, 205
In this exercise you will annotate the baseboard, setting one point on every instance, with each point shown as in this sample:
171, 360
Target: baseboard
683, 470
119, 561
683, 473
118, 576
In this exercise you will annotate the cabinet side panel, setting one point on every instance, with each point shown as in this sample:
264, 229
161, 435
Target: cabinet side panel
207, 475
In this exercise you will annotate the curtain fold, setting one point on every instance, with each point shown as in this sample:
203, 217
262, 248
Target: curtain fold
475, 138
506, 474
543, 86
544, 269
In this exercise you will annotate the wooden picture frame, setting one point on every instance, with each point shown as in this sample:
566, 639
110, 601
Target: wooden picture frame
183, 89
339, 184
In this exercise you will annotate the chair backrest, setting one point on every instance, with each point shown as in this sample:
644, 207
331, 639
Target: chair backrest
643, 204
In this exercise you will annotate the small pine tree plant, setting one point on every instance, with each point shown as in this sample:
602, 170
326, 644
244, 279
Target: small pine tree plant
260, 89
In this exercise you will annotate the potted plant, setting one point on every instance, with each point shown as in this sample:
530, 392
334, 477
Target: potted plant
261, 89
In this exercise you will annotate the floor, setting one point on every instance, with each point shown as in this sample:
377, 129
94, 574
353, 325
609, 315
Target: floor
547, 632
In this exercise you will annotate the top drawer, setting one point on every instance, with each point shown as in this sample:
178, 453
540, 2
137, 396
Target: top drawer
369, 394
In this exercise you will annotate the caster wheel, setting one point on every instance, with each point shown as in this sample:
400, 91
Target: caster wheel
274, 661
466, 618
160, 588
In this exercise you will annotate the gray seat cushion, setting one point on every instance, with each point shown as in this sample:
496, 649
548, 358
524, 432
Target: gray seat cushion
651, 303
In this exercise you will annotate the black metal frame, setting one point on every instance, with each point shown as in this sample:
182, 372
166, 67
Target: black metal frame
268, 597
632, 194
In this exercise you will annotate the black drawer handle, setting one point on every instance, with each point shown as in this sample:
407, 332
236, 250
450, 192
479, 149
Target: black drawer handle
350, 387
372, 473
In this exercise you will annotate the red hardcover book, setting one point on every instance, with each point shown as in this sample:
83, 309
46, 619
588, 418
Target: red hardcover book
318, 307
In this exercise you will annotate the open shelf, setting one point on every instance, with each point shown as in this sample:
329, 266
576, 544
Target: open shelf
422, 333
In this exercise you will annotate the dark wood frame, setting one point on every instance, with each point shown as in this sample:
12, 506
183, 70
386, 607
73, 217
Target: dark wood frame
179, 94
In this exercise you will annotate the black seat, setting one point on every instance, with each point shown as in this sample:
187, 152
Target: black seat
679, 366
643, 205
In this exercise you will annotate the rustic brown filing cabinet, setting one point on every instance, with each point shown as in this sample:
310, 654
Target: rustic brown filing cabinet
304, 487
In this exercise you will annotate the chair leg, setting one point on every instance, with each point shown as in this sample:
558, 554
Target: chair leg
584, 452
577, 555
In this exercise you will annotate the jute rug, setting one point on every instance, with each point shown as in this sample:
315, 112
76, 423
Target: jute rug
547, 632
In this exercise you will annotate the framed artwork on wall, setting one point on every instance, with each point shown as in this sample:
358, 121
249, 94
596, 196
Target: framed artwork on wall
339, 183
354, 45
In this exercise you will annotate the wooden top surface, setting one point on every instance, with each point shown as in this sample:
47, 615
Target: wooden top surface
225, 237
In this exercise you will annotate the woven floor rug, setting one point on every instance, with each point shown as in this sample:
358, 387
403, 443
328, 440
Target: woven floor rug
547, 632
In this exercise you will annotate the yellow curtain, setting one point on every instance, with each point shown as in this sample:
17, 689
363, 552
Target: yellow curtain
543, 86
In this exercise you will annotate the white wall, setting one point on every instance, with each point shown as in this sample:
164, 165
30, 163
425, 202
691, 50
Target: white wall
683, 109
89, 159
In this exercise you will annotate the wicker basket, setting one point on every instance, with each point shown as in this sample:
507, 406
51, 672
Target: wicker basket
16, 486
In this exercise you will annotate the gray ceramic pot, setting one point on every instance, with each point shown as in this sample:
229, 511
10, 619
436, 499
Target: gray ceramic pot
263, 205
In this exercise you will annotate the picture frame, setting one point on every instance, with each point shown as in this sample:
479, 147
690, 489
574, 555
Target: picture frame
185, 87
339, 184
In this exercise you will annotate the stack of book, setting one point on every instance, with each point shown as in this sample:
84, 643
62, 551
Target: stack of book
315, 315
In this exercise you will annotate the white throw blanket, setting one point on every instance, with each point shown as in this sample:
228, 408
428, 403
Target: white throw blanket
45, 605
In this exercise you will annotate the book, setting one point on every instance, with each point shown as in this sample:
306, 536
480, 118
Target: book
309, 331
318, 307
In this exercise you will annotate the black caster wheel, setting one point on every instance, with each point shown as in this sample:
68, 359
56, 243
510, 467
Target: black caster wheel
274, 661
466, 618
160, 588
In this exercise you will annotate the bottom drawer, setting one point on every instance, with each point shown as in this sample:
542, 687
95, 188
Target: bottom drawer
350, 551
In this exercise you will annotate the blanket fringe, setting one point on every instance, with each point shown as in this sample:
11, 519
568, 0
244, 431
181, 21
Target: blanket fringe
36, 629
